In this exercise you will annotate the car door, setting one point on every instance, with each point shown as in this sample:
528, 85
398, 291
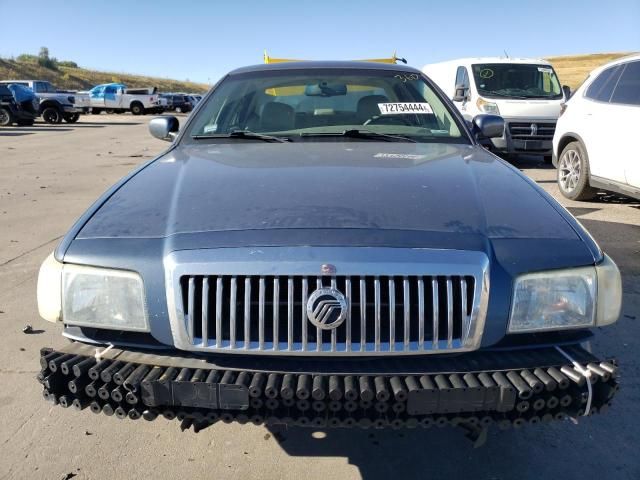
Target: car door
626, 101
96, 95
600, 127
110, 97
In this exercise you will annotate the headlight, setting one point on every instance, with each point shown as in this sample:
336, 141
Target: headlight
487, 107
91, 297
49, 289
566, 299
103, 298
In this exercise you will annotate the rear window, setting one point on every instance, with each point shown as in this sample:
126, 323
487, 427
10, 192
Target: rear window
602, 87
627, 90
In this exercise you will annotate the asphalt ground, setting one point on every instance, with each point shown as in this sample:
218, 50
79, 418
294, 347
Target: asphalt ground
50, 174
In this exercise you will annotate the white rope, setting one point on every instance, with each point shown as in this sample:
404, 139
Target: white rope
99, 353
586, 374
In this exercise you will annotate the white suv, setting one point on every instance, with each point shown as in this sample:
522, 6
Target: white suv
593, 145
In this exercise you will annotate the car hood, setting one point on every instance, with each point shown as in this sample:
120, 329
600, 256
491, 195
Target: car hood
356, 185
528, 109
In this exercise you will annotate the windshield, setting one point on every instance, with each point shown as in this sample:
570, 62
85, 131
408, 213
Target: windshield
301, 104
516, 80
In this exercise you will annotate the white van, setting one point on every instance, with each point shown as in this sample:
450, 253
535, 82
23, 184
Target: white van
525, 92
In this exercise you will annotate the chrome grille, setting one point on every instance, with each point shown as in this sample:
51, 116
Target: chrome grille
398, 301
385, 313
524, 130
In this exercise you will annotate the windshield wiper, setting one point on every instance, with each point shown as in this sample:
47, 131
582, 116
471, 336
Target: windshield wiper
355, 133
245, 134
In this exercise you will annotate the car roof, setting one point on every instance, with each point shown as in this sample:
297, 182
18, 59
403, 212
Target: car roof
307, 65
507, 60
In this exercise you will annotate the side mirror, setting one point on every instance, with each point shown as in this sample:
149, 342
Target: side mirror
164, 128
567, 91
488, 126
461, 93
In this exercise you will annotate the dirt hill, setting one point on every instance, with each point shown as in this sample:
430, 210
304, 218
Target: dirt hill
69, 78
572, 70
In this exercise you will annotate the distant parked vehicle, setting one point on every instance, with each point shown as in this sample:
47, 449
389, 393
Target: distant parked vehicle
525, 92
194, 99
55, 105
118, 98
18, 105
593, 143
178, 103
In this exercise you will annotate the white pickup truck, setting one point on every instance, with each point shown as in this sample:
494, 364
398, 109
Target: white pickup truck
118, 98
56, 105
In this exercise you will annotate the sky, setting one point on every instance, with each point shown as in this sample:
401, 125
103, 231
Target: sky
202, 40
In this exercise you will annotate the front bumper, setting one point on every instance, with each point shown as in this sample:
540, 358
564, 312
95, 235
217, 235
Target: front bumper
476, 389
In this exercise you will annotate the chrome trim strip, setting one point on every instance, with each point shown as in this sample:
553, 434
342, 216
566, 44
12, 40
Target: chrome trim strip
234, 303
318, 330
392, 314
276, 313
363, 314
261, 302
421, 313
303, 313
347, 294
449, 313
219, 292
407, 311
247, 312
289, 313
205, 311
436, 313
376, 296
192, 307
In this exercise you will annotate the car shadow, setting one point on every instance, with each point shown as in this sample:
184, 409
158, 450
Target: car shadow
14, 134
436, 453
37, 128
102, 124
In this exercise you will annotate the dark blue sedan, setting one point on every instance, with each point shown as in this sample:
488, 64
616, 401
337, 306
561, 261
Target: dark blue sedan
327, 244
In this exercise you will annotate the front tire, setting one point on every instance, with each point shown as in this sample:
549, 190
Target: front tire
573, 173
52, 115
137, 108
71, 117
6, 118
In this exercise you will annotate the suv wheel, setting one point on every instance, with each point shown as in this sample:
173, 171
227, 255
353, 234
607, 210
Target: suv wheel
52, 115
5, 117
573, 173
71, 117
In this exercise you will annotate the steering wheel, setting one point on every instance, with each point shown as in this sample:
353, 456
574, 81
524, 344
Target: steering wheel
387, 121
